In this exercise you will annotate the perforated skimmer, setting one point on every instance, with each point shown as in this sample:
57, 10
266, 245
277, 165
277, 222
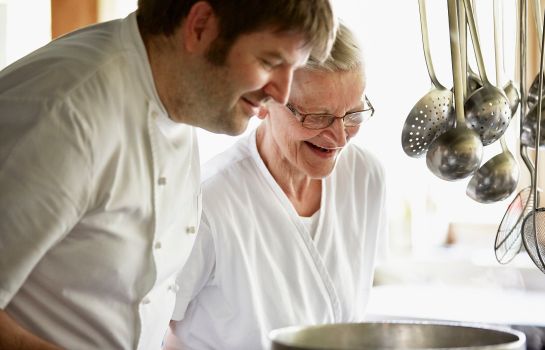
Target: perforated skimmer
487, 109
433, 114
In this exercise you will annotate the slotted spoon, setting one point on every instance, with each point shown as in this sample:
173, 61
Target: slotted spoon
487, 109
433, 114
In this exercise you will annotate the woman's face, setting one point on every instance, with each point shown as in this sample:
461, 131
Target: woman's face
314, 152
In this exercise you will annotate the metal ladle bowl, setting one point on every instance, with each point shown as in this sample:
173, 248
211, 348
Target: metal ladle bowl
496, 180
455, 154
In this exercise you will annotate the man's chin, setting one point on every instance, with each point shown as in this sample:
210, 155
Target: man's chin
231, 127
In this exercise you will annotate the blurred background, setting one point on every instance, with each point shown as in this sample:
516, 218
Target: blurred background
441, 246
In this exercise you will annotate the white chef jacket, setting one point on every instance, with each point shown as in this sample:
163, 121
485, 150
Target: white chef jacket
99, 192
254, 266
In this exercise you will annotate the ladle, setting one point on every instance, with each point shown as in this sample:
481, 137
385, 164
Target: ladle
487, 109
497, 179
433, 114
457, 153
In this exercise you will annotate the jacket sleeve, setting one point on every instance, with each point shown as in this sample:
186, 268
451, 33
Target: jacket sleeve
44, 183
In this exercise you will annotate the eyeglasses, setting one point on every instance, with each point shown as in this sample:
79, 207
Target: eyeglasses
322, 121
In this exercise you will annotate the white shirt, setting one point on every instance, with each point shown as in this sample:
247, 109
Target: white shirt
255, 267
99, 193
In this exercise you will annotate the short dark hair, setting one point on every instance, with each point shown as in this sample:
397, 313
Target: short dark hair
313, 18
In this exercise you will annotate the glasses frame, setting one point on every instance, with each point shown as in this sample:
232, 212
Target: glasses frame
303, 116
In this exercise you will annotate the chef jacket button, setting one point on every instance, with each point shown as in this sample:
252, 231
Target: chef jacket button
154, 114
190, 229
162, 181
146, 301
158, 245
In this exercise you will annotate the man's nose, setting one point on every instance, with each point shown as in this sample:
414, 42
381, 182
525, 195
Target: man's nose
279, 85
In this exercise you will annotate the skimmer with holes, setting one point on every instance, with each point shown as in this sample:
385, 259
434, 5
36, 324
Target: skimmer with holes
433, 114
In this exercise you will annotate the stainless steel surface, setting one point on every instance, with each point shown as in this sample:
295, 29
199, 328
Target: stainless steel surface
487, 109
397, 335
433, 114
458, 152
497, 179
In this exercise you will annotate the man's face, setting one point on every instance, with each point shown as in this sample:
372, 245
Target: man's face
259, 66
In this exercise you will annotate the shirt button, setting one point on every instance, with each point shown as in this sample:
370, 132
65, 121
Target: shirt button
190, 229
146, 301
174, 288
162, 181
158, 245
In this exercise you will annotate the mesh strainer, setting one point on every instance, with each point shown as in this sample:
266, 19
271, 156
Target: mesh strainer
433, 114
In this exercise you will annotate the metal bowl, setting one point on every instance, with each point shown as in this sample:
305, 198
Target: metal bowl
397, 335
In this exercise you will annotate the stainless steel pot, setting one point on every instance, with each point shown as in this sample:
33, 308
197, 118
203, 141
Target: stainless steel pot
397, 335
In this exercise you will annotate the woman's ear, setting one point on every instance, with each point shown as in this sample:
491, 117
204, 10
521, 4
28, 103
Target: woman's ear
200, 27
263, 112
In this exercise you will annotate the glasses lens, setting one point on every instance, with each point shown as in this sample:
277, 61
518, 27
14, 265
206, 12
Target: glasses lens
318, 121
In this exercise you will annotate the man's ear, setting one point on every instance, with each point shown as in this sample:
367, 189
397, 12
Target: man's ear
200, 27
263, 112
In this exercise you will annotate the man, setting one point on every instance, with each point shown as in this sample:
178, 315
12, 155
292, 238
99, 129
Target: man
292, 217
99, 167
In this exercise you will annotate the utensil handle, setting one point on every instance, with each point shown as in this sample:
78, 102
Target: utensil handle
475, 40
539, 115
456, 63
537, 18
426, 43
498, 45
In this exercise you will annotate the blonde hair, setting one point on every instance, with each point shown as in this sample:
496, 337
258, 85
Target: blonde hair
346, 54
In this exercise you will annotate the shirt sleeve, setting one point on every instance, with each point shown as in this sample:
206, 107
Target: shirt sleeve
44, 180
198, 270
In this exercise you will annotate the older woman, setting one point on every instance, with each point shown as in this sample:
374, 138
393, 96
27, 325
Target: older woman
291, 217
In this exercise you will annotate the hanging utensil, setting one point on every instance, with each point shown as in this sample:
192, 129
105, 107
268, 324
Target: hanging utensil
533, 233
457, 153
508, 240
473, 80
433, 114
497, 179
533, 95
509, 87
487, 109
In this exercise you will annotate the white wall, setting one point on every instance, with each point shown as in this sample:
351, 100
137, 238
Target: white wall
24, 26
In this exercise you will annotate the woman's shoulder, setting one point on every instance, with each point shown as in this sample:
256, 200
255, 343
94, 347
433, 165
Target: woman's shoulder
356, 159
